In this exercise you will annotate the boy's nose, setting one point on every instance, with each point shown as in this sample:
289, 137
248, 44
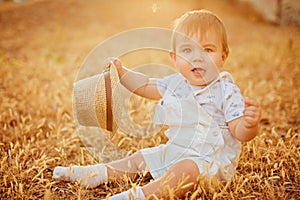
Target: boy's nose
198, 56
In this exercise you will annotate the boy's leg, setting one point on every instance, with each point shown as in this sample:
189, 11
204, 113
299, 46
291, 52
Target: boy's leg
180, 178
94, 175
129, 166
184, 172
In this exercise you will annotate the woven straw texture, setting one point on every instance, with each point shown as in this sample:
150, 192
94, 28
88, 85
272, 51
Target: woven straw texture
83, 101
89, 100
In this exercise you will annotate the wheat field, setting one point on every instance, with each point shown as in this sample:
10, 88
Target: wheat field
42, 46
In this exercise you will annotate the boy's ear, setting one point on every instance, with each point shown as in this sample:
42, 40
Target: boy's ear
224, 56
172, 56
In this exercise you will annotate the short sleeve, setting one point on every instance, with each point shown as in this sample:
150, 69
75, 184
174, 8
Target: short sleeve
162, 84
234, 102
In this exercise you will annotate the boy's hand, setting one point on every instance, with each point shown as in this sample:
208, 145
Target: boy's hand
252, 113
112, 60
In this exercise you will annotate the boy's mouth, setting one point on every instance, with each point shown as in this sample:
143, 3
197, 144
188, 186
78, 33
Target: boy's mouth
199, 71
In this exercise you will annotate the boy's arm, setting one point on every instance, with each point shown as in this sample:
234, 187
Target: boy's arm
245, 128
135, 82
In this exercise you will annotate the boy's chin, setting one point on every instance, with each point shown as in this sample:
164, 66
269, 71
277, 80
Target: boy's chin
202, 82
199, 83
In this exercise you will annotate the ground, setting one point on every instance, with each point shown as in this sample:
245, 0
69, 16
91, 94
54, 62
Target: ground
43, 43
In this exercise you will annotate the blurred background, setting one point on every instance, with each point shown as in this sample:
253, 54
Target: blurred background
43, 44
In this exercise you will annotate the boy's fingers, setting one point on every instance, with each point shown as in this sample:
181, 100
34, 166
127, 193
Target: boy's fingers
250, 122
252, 114
106, 63
117, 62
111, 60
250, 102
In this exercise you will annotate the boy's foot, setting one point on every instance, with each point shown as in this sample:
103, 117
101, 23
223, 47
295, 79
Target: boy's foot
88, 176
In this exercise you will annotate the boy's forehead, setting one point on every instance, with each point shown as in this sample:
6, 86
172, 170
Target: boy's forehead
199, 37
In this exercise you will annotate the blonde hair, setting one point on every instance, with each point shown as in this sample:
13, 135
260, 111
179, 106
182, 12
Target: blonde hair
200, 22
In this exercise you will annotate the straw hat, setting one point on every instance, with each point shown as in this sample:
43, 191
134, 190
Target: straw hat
93, 104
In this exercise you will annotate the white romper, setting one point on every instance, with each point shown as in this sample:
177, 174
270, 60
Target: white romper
197, 119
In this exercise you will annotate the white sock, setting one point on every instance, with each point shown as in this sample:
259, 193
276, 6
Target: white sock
134, 193
88, 176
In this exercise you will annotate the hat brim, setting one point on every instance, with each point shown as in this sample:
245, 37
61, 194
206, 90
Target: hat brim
93, 104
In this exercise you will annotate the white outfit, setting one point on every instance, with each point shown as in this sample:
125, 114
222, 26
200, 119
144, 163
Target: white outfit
197, 119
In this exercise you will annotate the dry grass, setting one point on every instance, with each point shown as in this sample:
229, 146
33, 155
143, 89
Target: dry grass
37, 131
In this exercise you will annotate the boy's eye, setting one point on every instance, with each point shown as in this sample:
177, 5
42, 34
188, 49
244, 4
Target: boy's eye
187, 50
208, 50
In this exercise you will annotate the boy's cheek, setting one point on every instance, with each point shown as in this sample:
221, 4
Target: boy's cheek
184, 56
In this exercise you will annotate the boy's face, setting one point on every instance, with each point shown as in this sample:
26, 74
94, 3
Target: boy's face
199, 61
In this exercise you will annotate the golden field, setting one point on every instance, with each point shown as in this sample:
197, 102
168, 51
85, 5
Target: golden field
43, 43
